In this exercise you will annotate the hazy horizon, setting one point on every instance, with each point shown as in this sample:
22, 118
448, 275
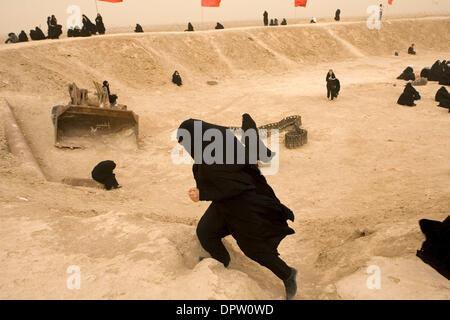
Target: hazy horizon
26, 14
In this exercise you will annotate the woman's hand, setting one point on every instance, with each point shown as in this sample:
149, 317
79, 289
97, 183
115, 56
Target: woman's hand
194, 194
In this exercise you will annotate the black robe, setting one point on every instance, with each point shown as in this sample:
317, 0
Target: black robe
333, 88
266, 18
337, 16
253, 214
411, 50
23, 37
408, 96
219, 26
284, 22
103, 173
176, 79
435, 250
411, 91
190, 27
443, 97
425, 73
435, 72
99, 24
445, 75
138, 28
112, 98
407, 74
88, 27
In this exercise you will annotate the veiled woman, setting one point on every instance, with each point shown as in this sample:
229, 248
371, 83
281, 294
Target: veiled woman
242, 205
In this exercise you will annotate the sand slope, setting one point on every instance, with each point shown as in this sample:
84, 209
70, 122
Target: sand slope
370, 171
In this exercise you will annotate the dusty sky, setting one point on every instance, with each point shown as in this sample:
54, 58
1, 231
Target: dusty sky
25, 14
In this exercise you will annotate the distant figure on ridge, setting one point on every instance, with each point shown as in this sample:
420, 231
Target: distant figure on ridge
23, 37
12, 38
99, 23
271, 22
176, 79
37, 34
275, 22
219, 26
54, 29
138, 28
88, 26
337, 17
284, 22
313, 20
411, 50
266, 18
190, 27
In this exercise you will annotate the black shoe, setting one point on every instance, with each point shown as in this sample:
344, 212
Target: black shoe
291, 285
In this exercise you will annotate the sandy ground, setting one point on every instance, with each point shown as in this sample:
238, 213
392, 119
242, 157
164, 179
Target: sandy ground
370, 170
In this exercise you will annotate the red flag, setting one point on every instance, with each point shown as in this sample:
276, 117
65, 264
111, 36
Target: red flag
112, 1
300, 3
390, 1
211, 3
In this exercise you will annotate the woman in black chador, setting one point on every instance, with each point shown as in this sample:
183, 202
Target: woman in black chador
103, 173
337, 16
176, 79
99, 24
243, 204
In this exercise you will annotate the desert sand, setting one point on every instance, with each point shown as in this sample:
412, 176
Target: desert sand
370, 171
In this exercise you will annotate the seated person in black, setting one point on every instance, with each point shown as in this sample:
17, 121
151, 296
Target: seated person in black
176, 79
103, 173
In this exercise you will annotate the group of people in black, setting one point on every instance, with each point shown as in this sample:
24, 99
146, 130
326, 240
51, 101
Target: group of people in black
440, 72
54, 30
273, 22
190, 27
89, 28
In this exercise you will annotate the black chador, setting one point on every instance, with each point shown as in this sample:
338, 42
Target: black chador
333, 87
407, 74
176, 79
88, 26
23, 37
190, 27
266, 18
138, 28
243, 205
435, 72
443, 97
445, 75
219, 26
408, 96
99, 24
337, 16
103, 173
435, 250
